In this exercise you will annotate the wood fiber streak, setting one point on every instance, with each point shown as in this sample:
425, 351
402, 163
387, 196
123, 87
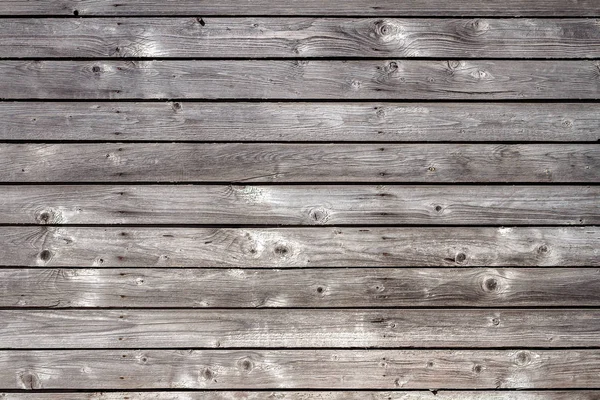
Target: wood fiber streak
298, 247
300, 79
136, 329
300, 204
299, 37
297, 369
247, 122
339, 287
305, 163
359, 8
314, 395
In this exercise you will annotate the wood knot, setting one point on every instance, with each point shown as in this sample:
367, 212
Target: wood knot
207, 374
383, 28
319, 289
246, 365
281, 250
319, 215
477, 368
44, 217
30, 381
391, 67
490, 285
460, 257
176, 106
438, 208
522, 358
495, 321
45, 255
543, 249
95, 69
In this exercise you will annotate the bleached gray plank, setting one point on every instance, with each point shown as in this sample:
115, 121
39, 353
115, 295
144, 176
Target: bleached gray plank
297, 247
219, 37
349, 328
314, 395
299, 369
300, 79
336, 287
340, 122
512, 8
268, 162
300, 204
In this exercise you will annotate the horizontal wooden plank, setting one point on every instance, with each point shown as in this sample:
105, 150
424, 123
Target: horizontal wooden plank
299, 37
313, 395
308, 163
299, 369
353, 287
513, 8
300, 79
300, 204
298, 247
135, 329
324, 121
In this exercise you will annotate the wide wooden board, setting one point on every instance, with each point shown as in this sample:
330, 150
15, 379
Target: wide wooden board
300, 79
293, 288
299, 369
307, 163
208, 37
298, 247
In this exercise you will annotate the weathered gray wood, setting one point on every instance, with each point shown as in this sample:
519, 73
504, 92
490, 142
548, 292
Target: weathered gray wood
314, 395
238, 121
295, 369
298, 247
299, 37
268, 162
300, 79
134, 329
353, 287
513, 8
300, 204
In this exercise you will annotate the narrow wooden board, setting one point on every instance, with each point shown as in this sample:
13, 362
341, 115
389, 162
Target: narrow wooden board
336, 287
197, 37
299, 369
299, 122
313, 395
300, 204
300, 79
293, 288
512, 8
303, 163
350, 328
298, 247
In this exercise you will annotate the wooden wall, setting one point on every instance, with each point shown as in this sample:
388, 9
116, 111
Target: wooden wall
300, 200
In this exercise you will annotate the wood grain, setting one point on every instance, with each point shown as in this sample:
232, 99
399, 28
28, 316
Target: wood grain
135, 329
300, 122
300, 79
297, 247
313, 395
512, 8
298, 369
196, 37
307, 163
321, 288
300, 204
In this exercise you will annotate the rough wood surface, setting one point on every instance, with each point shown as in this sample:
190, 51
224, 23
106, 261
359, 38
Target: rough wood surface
135, 329
299, 37
298, 247
314, 395
297, 369
320, 121
300, 79
336, 287
512, 8
300, 204
268, 162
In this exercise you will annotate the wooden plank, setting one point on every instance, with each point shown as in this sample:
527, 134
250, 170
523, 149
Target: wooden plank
299, 369
451, 328
512, 8
293, 288
339, 122
353, 287
196, 37
300, 204
300, 79
297, 247
308, 163
314, 395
